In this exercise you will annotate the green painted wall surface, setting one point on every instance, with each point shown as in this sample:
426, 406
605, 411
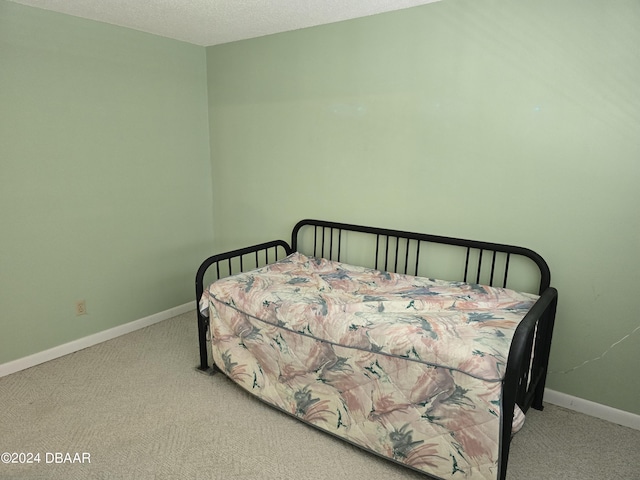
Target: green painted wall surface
516, 122
105, 191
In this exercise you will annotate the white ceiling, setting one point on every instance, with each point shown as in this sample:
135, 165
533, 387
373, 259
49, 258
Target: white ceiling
212, 22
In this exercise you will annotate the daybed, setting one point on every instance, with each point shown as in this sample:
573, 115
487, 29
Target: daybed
348, 329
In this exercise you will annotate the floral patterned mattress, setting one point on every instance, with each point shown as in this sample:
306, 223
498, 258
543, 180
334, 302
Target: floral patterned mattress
409, 368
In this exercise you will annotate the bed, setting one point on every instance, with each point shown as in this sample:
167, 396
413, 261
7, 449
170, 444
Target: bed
422, 349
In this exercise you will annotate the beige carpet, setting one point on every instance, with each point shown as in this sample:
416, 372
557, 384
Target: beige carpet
141, 411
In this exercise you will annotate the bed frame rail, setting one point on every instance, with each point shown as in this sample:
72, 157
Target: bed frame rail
527, 364
230, 263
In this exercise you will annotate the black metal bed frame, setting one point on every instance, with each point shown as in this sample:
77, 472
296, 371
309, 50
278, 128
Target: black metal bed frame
527, 363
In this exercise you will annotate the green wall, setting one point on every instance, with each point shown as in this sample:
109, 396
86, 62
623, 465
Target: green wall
515, 122
105, 191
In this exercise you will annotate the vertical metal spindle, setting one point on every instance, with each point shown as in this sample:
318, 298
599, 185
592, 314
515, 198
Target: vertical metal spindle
315, 240
406, 258
395, 265
479, 266
331, 243
493, 266
339, 242
466, 264
386, 255
506, 271
417, 257
377, 249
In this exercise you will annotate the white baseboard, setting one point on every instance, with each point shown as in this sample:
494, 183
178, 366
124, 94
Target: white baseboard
82, 343
593, 409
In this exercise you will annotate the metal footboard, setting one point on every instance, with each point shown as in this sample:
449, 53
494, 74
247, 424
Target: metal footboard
230, 263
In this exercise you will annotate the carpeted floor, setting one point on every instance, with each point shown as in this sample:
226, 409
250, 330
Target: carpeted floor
138, 410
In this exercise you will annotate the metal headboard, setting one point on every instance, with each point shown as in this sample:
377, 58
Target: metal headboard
401, 252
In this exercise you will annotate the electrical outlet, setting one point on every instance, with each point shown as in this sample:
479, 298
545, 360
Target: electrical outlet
81, 308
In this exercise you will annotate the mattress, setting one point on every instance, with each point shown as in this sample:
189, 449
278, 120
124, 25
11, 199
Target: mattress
409, 368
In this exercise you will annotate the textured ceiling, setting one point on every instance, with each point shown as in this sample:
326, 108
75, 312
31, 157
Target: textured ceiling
211, 22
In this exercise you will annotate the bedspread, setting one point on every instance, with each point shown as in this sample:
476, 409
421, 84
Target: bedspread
407, 367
